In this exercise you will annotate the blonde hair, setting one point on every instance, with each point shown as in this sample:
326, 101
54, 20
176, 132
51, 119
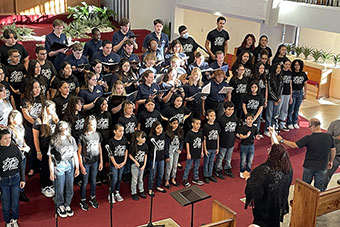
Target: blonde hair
45, 119
150, 56
118, 82
197, 71
12, 115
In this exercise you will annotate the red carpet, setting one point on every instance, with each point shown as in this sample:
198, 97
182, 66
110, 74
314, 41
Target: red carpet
40, 210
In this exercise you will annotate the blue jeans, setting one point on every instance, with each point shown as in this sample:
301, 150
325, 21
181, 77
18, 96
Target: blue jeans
247, 156
208, 163
283, 109
188, 166
319, 177
116, 178
271, 114
224, 153
293, 110
64, 187
159, 167
10, 197
91, 170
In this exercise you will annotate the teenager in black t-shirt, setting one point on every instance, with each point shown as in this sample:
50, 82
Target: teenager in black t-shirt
177, 110
286, 97
148, 116
217, 39
228, 125
47, 67
118, 155
138, 154
74, 116
157, 156
248, 44
62, 99
247, 133
7, 88
211, 131
244, 58
299, 85
188, 43
194, 146
280, 55
239, 82
128, 119
262, 46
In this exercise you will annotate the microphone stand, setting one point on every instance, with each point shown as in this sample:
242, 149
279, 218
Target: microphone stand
110, 183
55, 191
153, 194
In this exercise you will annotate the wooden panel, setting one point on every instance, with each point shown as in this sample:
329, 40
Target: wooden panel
7, 7
329, 201
305, 202
314, 74
221, 212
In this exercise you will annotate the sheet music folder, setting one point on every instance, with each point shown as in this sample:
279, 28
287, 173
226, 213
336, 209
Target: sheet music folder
187, 196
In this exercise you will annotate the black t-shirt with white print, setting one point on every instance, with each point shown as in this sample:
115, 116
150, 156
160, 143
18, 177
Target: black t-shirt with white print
253, 102
244, 129
160, 148
48, 70
130, 125
72, 81
240, 89
195, 140
90, 147
104, 124
139, 153
78, 126
61, 104
118, 148
298, 80
7, 88
16, 75
217, 40
228, 127
211, 133
34, 108
179, 113
146, 119
286, 78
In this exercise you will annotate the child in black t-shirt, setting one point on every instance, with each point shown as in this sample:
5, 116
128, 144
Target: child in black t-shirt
211, 131
247, 133
118, 155
157, 155
148, 116
89, 153
128, 119
194, 147
138, 154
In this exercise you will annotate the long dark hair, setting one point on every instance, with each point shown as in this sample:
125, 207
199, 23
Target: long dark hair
300, 63
256, 75
120, 73
70, 112
238, 61
244, 42
153, 128
278, 50
171, 134
31, 68
278, 159
29, 93
135, 135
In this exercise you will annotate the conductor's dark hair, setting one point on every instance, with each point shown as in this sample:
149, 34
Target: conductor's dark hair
278, 159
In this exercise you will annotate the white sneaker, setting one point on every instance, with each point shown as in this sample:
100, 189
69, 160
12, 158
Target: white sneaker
8, 224
241, 175
113, 198
14, 223
290, 126
47, 192
52, 189
296, 126
118, 197
266, 133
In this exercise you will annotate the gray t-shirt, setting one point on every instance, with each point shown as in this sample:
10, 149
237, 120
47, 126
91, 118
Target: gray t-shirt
90, 147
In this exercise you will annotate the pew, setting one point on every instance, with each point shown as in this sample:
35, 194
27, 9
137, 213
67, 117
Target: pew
222, 216
309, 202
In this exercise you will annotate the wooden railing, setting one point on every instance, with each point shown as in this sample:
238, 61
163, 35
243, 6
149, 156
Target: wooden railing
334, 3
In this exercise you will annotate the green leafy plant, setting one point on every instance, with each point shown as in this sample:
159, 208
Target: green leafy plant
75, 30
316, 54
306, 51
167, 29
290, 48
22, 32
298, 50
336, 59
325, 56
87, 17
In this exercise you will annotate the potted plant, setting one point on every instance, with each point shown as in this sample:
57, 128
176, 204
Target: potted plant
298, 50
290, 48
326, 56
87, 17
316, 54
24, 33
306, 51
336, 59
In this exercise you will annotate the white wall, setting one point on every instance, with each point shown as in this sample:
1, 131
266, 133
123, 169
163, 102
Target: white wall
328, 41
143, 12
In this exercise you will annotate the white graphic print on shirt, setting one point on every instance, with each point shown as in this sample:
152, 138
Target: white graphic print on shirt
219, 41
10, 164
241, 88
140, 156
79, 124
46, 73
149, 121
119, 150
197, 143
213, 134
66, 152
187, 48
130, 127
16, 77
35, 110
180, 118
103, 123
230, 127
298, 80
253, 104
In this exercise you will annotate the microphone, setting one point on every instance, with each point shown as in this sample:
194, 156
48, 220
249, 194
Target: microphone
109, 151
153, 141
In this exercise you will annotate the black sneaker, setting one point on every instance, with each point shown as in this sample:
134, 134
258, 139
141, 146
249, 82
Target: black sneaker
69, 211
186, 184
61, 211
213, 179
206, 180
142, 194
284, 128
220, 175
23, 197
94, 202
135, 197
83, 205
229, 173
198, 182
